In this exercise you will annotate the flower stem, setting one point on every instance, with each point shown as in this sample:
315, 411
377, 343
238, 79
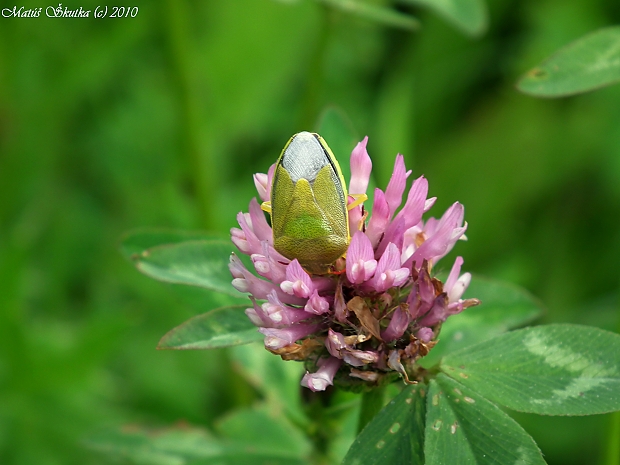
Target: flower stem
372, 403
322, 427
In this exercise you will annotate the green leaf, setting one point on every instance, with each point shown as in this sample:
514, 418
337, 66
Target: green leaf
195, 263
137, 241
183, 445
376, 13
588, 63
137, 246
464, 428
470, 16
504, 306
396, 434
555, 369
199, 300
222, 327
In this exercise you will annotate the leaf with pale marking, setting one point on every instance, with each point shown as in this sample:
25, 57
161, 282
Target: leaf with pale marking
504, 306
588, 63
557, 369
222, 327
464, 428
396, 434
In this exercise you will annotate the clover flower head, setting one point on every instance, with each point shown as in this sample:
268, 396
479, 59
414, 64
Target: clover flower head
379, 308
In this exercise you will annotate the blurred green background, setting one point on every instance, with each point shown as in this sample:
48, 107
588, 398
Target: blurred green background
160, 120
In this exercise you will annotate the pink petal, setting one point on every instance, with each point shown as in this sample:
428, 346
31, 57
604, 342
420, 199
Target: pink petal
254, 317
454, 274
389, 273
261, 265
337, 347
355, 216
400, 276
257, 315
253, 242
392, 278
335, 343
425, 334
437, 313
244, 281
270, 264
394, 234
298, 282
459, 288
358, 358
460, 305
411, 241
416, 201
447, 231
261, 183
380, 218
278, 338
361, 263
317, 304
280, 314
368, 270
390, 260
328, 367
396, 186
236, 267
398, 325
259, 224
429, 203
237, 236
361, 166
452, 217
430, 226
422, 295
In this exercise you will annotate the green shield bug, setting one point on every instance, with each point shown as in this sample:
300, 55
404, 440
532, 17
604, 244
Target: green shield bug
308, 207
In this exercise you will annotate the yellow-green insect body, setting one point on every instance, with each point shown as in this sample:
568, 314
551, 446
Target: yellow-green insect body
308, 205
